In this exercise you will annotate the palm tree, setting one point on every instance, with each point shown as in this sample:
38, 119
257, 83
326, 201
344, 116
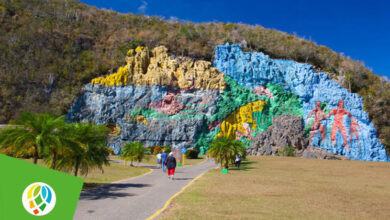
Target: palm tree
86, 148
32, 132
56, 138
134, 151
225, 149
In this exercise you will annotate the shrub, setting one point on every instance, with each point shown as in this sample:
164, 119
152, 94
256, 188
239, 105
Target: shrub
156, 150
167, 149
149, 150
111, 151
287, 152
191, 154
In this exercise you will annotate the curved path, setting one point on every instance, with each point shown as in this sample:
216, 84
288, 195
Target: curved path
138, 197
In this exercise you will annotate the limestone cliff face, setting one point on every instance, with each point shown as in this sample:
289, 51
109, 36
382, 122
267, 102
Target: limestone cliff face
146, 68
286, 130
334, 118
161, 100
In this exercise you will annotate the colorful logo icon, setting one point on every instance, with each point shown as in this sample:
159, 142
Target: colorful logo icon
39, 199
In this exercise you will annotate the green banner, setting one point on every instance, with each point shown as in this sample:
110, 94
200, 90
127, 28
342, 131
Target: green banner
29, 191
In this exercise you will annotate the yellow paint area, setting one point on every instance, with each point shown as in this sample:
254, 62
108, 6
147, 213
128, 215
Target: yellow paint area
155, 67
237, 118
116, 79
114, 128
139, 119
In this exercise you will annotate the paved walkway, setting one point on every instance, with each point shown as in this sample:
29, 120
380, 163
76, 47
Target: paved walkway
136, 198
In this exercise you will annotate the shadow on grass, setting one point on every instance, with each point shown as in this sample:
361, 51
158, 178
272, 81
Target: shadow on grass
107, 190
245, 165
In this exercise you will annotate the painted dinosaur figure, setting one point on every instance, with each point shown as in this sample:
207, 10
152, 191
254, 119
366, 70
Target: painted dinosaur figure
237, 123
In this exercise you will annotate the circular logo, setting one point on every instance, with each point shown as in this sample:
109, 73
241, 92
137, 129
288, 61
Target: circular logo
39, 199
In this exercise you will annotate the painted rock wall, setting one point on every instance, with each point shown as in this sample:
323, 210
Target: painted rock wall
334, 117
152, 99
176, 101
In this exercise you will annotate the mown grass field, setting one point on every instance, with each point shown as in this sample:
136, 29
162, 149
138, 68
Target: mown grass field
288, 188
112, 173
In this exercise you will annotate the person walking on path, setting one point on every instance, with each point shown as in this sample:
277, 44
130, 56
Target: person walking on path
164, 156
238, 161
171, 165
158, 159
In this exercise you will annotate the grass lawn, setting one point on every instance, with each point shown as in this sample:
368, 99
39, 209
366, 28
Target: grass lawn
112, 173
152, 160
288, 188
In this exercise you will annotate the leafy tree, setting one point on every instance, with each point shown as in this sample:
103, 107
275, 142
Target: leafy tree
225, 149
134, 151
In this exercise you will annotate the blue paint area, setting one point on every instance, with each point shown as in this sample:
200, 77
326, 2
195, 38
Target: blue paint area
255, 69
115, 104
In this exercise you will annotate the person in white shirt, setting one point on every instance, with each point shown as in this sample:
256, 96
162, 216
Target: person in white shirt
158, 159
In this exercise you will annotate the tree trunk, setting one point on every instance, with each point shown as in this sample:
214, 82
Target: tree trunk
227, 162
53, 163
76, 169
36, 155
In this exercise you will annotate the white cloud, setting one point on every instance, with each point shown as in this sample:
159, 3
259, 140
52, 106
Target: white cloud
142, 8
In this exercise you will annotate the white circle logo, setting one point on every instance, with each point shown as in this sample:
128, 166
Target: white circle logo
39, 199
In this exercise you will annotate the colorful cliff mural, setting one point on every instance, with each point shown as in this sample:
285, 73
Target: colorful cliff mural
335, 118
161, 100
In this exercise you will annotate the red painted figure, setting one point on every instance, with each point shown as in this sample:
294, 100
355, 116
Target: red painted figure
353, 130
339, 113
317, 125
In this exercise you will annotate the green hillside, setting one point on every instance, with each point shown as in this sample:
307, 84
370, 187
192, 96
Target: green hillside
50, 48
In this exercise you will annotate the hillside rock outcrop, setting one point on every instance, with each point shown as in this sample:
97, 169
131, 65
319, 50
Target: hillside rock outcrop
147, 68
286, 130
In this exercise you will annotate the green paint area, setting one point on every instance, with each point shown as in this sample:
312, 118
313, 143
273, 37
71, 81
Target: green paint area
235, 96
151, 113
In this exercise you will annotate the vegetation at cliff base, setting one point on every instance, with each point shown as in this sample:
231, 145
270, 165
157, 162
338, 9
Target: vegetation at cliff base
49, 49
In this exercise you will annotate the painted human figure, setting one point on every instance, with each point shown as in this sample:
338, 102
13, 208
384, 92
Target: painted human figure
353, 130
317, 125
339, 113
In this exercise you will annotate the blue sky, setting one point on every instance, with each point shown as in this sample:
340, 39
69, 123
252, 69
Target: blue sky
358, 29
